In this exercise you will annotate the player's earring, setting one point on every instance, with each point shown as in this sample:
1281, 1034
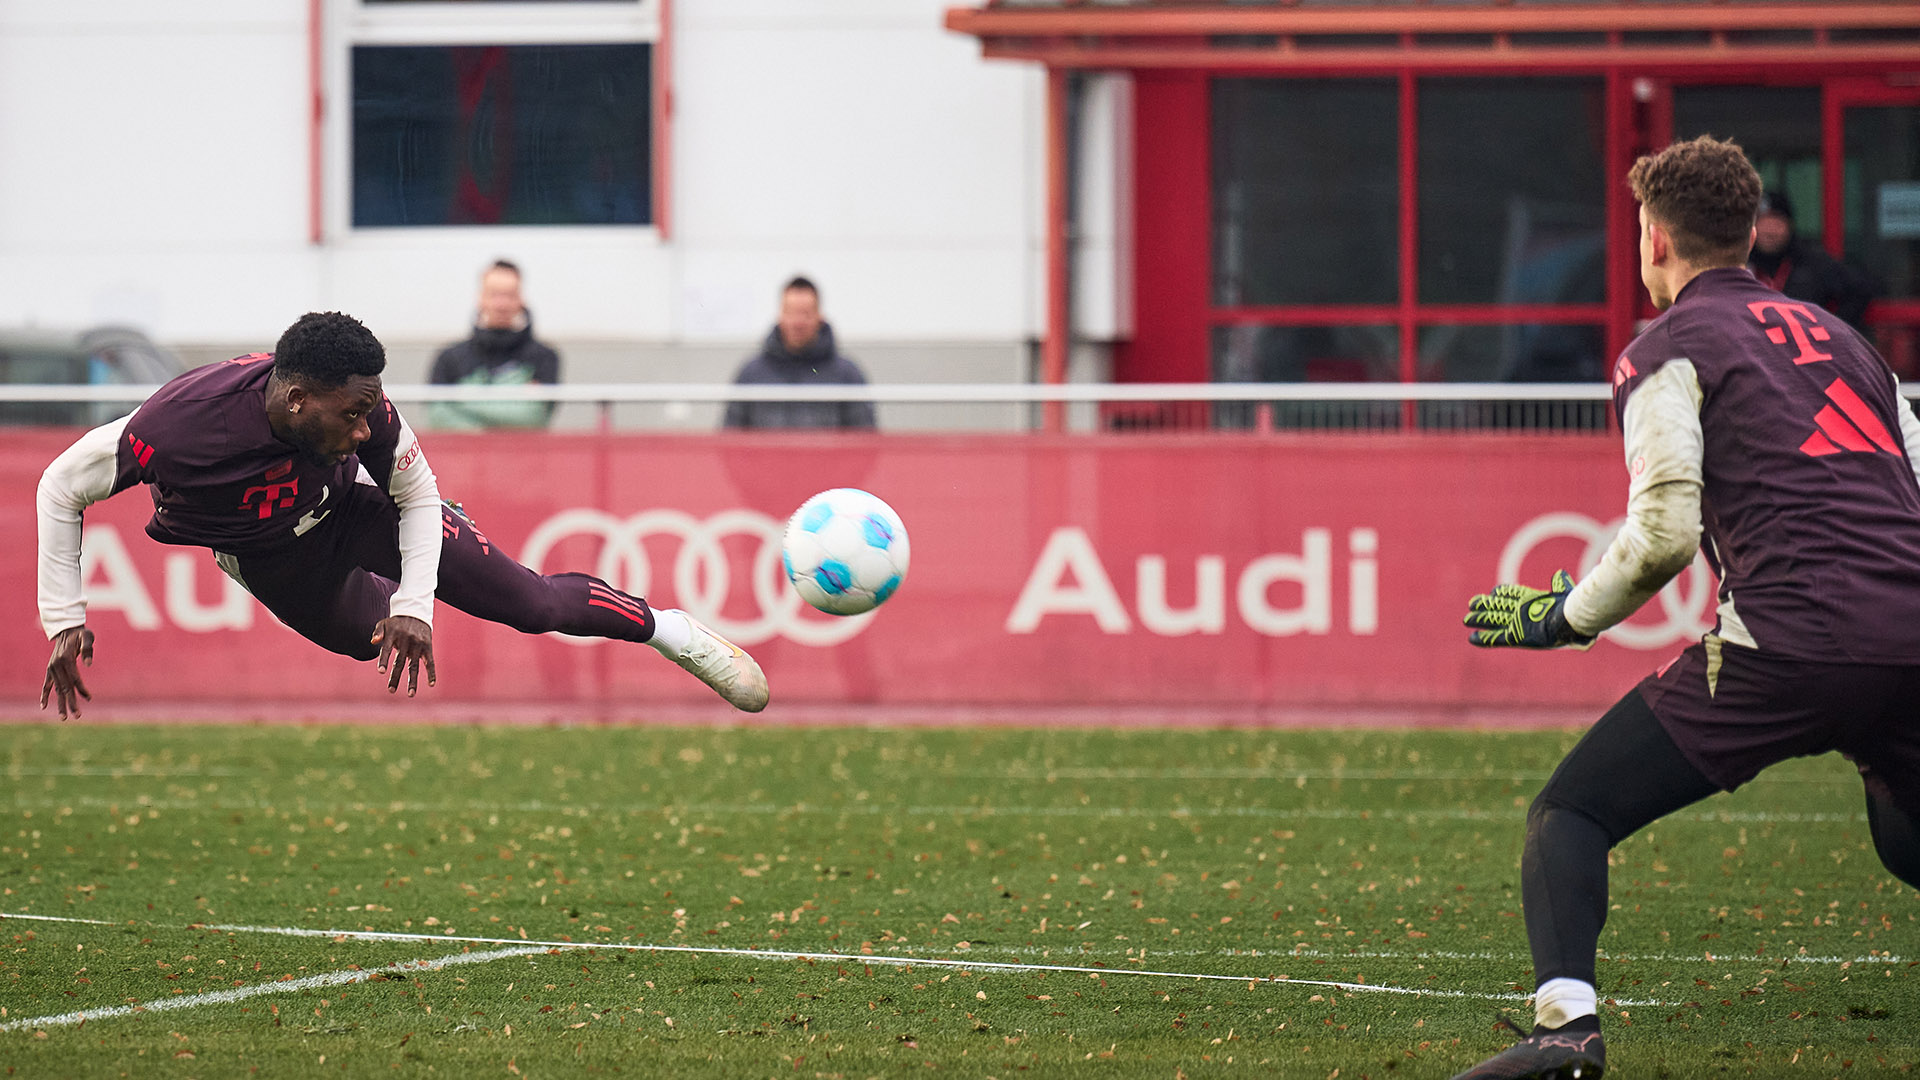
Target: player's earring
293, 408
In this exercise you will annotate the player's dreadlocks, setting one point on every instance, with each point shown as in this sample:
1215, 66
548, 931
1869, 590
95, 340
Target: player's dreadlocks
326, 348
1706, 193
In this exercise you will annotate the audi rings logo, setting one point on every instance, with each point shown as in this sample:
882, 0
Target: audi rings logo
702, 578
1687, 603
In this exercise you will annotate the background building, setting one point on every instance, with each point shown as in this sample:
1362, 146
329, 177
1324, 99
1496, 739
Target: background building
1415, 191
1146, 191
208, 170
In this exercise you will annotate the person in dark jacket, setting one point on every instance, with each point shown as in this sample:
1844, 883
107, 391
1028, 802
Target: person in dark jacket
1786, 263
800, 350
501, 352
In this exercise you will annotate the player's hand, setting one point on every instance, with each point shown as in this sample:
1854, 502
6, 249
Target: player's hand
71, 648
1514, 616
404, 643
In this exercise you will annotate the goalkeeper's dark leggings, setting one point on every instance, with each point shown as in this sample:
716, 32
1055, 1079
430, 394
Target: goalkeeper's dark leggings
1623, 775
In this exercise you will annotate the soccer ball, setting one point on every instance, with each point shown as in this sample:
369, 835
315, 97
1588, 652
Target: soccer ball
845, 551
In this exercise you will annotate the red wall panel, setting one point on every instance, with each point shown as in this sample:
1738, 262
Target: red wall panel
1172, 230
1181, 570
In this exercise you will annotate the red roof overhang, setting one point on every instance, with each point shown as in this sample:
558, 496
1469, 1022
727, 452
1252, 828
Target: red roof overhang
1285, 35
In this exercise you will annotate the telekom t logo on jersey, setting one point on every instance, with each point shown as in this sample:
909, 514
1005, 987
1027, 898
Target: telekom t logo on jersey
269, 493
1804, 334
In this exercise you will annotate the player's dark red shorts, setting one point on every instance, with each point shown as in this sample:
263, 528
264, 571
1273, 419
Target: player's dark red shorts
336, 583
1733, 711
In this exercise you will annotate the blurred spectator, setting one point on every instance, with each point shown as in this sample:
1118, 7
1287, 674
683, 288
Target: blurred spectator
800, 350
1787, 263
501, 352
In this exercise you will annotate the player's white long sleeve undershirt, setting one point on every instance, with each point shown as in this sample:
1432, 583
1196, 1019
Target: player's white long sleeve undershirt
81, 476
84, 473
1664, 452
417, 494
1665, 449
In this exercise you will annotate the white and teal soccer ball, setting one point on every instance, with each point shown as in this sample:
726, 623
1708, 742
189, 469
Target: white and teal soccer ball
846, 551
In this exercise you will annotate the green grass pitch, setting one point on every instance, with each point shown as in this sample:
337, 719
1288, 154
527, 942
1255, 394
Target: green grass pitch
570, 902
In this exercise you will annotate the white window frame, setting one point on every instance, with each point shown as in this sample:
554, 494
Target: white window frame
348, 23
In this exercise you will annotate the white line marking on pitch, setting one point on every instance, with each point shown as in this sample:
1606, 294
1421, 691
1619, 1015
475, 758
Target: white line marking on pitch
536, 806
1069, 772
1280, 953
120, 772
222, 997
707, 950
1089, 772
525, 948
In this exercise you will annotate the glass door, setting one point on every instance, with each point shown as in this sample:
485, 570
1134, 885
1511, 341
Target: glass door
1780, 129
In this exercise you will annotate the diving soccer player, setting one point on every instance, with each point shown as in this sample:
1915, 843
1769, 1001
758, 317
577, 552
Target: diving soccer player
315, 496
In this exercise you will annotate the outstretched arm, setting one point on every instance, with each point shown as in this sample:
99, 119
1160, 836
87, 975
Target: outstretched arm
406, 635
81, 476
1665, 450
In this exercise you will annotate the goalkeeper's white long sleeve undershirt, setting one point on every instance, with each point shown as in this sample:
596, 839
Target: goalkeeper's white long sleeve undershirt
1665, 449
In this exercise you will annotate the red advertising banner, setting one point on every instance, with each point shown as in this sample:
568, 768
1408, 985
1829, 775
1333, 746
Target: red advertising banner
1189, 570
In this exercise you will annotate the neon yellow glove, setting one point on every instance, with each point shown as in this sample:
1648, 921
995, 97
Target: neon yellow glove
1514, 616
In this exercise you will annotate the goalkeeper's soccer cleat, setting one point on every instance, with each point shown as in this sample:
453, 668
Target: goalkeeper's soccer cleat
726, 667
1514, 616
1546, 1054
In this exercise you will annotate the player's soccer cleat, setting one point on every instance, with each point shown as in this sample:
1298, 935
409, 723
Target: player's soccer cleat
726, 667
1545, 1055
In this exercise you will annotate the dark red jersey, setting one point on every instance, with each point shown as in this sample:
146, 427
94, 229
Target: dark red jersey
219, 477
1809, 504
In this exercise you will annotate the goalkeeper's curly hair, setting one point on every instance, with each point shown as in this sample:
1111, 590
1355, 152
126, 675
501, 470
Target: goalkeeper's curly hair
1706, 193
326, 348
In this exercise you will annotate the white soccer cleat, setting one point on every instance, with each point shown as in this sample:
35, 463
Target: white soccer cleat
726, 667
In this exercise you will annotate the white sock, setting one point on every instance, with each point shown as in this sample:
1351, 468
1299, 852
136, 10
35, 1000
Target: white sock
672, 633
1561, 1000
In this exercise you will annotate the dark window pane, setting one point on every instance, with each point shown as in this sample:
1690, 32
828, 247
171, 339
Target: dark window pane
1524, 353
1512, 191
1294, 354
1306, 354
28, 363
502, 135
1306, 189
1530, 352
1778, 127
1882, 205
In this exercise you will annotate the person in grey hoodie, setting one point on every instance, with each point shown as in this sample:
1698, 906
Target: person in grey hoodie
800, 350
501, 352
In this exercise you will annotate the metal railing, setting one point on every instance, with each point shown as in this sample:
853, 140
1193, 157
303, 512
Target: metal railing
909, 392
1078, 407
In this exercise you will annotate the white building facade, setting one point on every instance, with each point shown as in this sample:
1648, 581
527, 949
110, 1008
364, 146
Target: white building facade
208, 170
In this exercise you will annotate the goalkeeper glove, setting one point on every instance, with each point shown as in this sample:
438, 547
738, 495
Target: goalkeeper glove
1515, 616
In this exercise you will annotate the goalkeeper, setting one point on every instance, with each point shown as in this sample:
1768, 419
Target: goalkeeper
1778, 428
